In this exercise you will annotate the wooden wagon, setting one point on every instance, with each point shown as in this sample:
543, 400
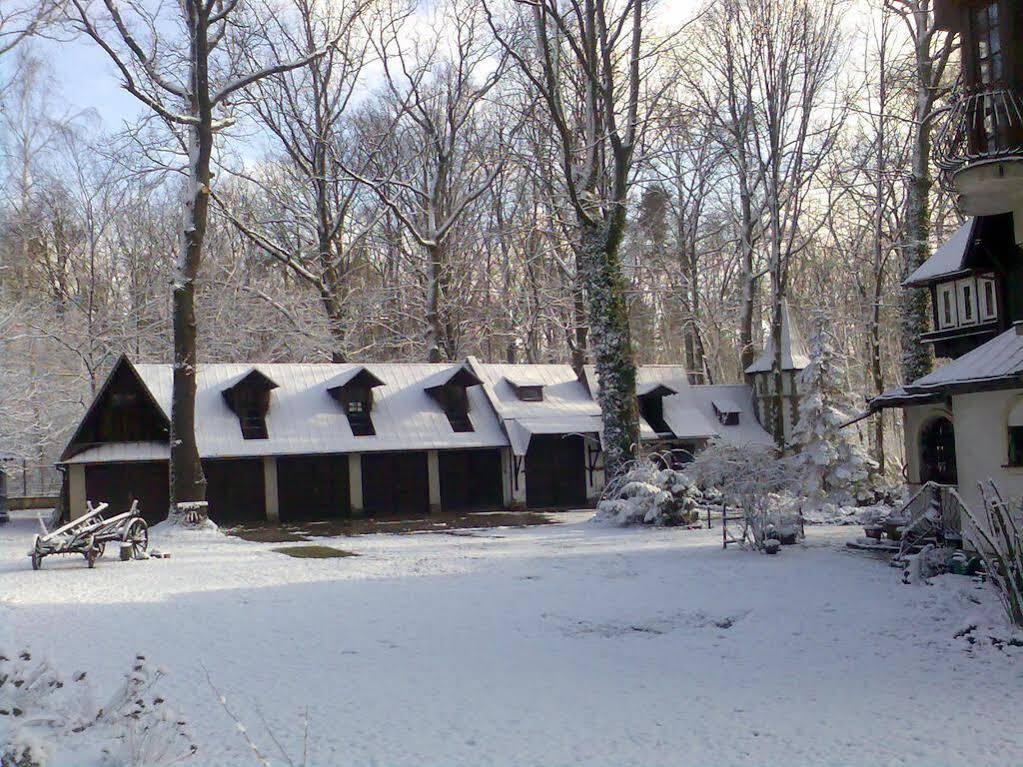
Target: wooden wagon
89, 534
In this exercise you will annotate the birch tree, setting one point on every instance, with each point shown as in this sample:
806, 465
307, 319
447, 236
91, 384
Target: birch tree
183, 64
586, 62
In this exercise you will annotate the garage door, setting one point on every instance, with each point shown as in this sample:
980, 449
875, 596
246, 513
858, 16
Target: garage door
234, 489
313, 487
470, 479
555, 471
120, 483
395, 483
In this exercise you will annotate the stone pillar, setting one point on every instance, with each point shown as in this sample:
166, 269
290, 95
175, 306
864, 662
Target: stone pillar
433, 474
272, 498
76, 490
355, 484
506, 478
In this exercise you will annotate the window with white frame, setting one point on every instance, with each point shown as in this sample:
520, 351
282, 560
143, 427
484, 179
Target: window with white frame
948, 315
967, 290
987, 299
1015, 426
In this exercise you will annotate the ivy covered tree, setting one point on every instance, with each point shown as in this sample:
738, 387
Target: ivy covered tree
834, 466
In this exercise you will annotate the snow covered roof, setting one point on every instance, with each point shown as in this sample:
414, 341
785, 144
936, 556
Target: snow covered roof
947, 261
304, 419
1000, 359
691, 415
566, 408
120, 452
648, 378
794, 354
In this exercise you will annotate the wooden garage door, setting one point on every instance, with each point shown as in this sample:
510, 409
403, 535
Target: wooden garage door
395, 483
120, 483
234, 489
313, 487
470, 479
555, 471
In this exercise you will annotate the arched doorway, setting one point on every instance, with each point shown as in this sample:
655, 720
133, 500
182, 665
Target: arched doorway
938, 452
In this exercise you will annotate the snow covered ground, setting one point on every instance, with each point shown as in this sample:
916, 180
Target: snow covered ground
557, 645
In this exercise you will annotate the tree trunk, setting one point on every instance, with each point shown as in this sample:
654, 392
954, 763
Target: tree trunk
187, 483
612, 343
914, 308
434, 325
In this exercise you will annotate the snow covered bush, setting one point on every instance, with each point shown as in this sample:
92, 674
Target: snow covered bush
45, 721
652, 495
833, 466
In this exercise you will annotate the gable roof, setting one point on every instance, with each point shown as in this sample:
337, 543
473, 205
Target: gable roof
794, 354
690, 414
356, 373
124, 366
947, 261
566, 407
304, 419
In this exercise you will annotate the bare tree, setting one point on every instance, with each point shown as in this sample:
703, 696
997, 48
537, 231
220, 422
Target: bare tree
932, 51
310, 225
188, 81
586, 61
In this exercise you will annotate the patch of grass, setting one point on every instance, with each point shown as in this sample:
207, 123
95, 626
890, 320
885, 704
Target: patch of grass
268, 534
315, 552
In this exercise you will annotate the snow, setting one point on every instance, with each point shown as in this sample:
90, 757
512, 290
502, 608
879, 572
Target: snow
794, 354
947, 261
566, 644
1000, 359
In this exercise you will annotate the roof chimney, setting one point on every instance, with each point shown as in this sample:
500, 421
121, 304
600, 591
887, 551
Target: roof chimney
1018, 324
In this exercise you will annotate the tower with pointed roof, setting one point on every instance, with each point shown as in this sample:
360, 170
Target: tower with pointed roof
760, 376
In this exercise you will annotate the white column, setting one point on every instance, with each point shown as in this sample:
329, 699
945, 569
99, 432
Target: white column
517, 476
76, 490
594, 481
506, 478
433, 474
272, 498
355, 484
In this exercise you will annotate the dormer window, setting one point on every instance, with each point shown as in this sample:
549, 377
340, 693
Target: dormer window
527, 391
452, 395
249, 399
353, 390
727, 413
651, 406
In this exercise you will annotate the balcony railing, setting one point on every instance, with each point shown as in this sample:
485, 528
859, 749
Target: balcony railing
979, 125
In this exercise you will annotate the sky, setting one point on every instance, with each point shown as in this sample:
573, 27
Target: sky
84, 80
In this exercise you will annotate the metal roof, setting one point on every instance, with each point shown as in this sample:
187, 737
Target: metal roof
304, 419
691, 415
947, 261
794, 354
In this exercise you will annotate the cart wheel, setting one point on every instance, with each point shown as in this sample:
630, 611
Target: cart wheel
37, 557
137, 535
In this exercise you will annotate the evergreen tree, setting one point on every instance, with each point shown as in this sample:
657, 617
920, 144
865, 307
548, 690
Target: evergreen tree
834, 466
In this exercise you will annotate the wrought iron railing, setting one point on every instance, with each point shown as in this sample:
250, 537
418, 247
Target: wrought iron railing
979, 125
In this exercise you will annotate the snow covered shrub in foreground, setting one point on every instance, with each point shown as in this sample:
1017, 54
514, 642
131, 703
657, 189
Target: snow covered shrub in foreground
45, 722
834, 467
648, 494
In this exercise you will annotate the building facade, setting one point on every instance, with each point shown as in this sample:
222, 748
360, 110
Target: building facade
293, 442
963, 423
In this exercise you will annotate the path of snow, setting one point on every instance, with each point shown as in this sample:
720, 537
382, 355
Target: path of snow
567, 644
